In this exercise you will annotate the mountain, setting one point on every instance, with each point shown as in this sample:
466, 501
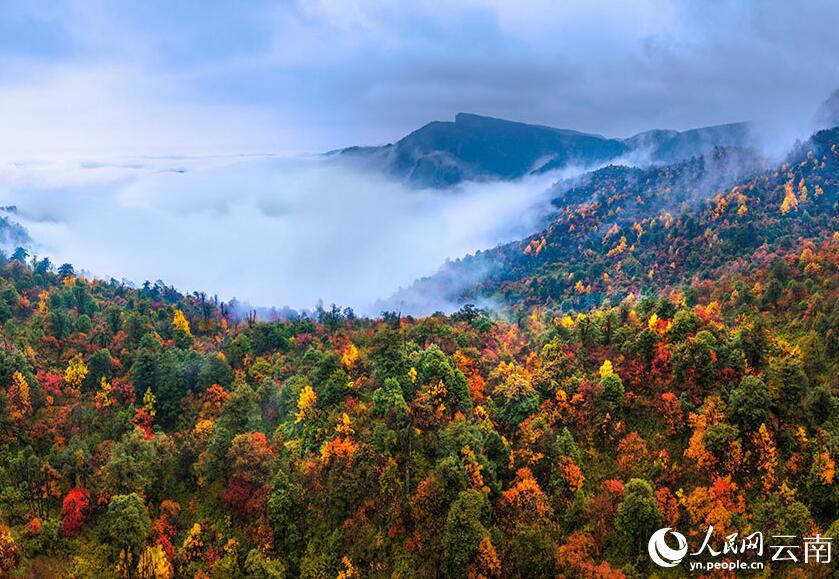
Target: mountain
12, 233
671, 146
629, 231
475, 147
828, 113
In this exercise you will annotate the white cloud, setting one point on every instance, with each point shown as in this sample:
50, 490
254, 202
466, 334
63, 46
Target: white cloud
271, 231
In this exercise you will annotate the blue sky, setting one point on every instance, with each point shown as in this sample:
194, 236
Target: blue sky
96, 78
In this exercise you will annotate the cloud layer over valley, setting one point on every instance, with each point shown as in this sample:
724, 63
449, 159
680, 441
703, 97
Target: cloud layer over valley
271, 231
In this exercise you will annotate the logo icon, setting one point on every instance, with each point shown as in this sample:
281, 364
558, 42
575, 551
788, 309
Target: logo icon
661, 553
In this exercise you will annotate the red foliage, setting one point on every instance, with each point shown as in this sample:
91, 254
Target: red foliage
671, 410
143, 421
246, 499
73, 510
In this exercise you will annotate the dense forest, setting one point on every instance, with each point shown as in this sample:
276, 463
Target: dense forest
627, 230
146, 433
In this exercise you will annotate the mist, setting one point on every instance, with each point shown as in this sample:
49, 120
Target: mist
269, 231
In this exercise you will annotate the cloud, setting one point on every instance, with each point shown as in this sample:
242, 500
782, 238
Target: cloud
169, 78
272, 231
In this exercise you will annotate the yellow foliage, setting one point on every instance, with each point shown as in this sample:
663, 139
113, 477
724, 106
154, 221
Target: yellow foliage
150, 402
767, 457
306, 403
349, 571
412, 375
42, 302
76, 371
619, 248
350, 356
606, 369
103, 396
567, 321
153, 564
193, 545
203, 429
345, 427
790, 200
180, 322
20, 403
637, 228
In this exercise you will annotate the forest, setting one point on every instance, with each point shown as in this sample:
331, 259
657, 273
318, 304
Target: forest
659, 364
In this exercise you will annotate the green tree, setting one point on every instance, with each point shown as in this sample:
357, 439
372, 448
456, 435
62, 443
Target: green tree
127, 526
463, 532
131, 466
750, 404
286, 517
638, 518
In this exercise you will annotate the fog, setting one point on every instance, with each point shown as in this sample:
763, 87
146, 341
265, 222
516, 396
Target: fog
269, 231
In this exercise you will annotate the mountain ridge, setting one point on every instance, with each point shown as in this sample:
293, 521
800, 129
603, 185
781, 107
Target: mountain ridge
476, 147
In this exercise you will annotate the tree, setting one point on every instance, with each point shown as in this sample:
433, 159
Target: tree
76, 371
750, 404
131, 467
180, 330
73, 511
154, 564
20, 254
171, 388
128, 523
65, 270
9, 552
613, 390
286, 517
144, 371
638, 517
463, 532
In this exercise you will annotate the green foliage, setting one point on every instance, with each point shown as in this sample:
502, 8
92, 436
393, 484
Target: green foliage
128, 523
463, 532
638, 518
132, 464
750, 404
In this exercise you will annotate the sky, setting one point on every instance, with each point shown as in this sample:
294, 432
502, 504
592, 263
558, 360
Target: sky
176, 139
95, 77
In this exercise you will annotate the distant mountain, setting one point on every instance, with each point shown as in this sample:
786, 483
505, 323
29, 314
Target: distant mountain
12, 233
474, 147
828, 114
671, 146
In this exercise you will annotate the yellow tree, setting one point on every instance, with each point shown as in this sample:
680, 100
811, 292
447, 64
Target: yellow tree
350, 356
20, 404
767, 457
76, 371
154, 564
306, 403
180, 322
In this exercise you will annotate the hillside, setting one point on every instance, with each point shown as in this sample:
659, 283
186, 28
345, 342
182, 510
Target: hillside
475, 147
148, 434
632, 231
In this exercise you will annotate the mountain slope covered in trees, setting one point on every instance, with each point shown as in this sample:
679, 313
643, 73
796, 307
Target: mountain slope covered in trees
144, 433
626, 230
669, 359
